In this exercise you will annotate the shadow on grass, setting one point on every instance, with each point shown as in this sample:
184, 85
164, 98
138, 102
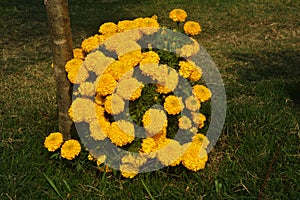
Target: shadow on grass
267, 65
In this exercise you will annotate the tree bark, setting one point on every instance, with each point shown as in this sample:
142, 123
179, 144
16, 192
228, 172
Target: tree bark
60, 31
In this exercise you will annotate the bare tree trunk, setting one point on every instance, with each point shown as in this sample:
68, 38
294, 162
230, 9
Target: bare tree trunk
59, 23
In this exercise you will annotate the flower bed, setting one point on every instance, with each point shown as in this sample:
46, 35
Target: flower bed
137, 95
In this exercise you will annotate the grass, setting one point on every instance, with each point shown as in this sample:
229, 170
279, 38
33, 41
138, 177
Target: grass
256, 48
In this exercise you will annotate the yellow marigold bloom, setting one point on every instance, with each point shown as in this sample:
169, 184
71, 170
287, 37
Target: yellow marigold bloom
96, 131
119, 68
78, 53
178, 15
189, 70
114, 104
198, 119
108, 27
106, 84
148, 145
192, 28
149, 57
101, 159
192, 103
173, 105
121, 132
154, 121
131, 58
129, 88
87, 89
70, 149
168, 77
189, 50
76, 72
170, 152
196, 156
162, 89
186, 68
149, 25
196, 74
53, 141
201, 92
128, 170
72, 64
126, 25
97, 62
90, 43
127, 47
184, 123
82, 110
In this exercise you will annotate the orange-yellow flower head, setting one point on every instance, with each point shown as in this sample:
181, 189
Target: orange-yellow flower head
178, 15
173, 105
53, 141
70, 149
192, 28
108, 28
201, 92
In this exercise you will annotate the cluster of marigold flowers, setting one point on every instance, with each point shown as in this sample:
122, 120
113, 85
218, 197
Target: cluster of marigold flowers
68, 149
115, 84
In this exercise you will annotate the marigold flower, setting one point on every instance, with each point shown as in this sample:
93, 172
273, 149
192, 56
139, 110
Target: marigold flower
121, 132
198, 119
192, 28
106, 84
162, 89
97, 62
189, 50
173, 105
114, 104
108, 28
189, 70
90, 43
76, 71
131, 58
126, 25
196, 74
148, 145
192, 103
129, 88
150, 57
98, 130
128, 170
170, 152
184, 123
178, 15
73, 64
87, 89
70, 149
53, 141
154, 121
82, 110
148, 25
201, 92
78, 53
119, 68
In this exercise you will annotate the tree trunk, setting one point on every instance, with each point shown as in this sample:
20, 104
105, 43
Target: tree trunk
59, 23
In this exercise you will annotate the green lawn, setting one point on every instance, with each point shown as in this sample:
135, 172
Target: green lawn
255, 45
